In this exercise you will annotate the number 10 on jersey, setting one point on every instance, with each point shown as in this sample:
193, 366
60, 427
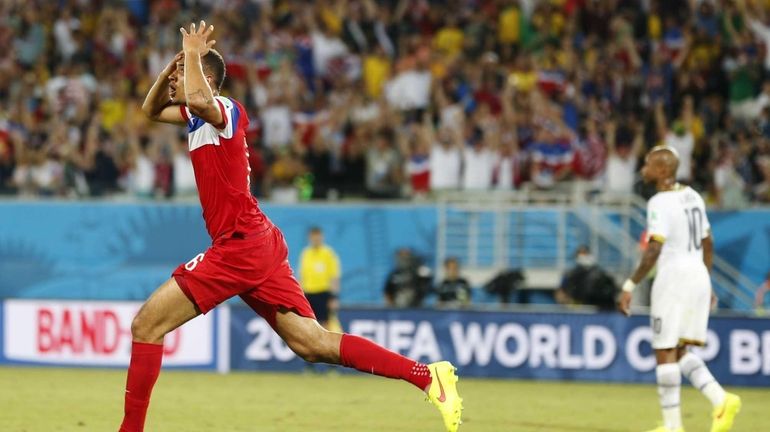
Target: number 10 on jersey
695, 225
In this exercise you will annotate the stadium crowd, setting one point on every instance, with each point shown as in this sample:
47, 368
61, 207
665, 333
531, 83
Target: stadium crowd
395, 98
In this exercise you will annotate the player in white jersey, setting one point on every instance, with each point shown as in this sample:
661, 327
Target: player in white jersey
681, 244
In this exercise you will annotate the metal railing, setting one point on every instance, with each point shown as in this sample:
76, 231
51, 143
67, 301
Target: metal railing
491, 231
498, 230
733, 288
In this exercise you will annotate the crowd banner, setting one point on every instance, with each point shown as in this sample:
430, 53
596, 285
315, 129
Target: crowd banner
553, 346
87, 333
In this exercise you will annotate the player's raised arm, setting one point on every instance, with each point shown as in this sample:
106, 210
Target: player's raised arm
198, 94
158, 105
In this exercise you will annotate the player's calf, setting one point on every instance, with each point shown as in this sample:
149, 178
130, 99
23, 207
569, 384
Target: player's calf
725, 405
315, 344
323, 347
695, 370
307, 338
669, 380
167, 309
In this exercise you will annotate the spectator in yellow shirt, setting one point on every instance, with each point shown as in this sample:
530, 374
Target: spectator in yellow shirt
376, 71
449, 39
509, 24
319, 271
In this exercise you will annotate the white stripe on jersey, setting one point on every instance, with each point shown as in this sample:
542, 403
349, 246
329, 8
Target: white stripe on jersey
201, 133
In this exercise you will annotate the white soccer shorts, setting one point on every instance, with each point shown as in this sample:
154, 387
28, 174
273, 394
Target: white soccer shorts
680, 303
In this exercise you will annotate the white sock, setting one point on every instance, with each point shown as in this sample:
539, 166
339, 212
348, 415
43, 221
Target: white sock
699, 376
669, 385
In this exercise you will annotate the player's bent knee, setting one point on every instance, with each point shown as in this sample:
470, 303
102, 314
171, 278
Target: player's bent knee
666, 355
142, 330
138, 329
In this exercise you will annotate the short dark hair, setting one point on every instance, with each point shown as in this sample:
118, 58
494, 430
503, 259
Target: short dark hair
214, 63
452, 260
582, 249
315, 230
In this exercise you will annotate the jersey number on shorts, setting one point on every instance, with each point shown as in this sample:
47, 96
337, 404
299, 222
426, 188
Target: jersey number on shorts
695, 225
190, 266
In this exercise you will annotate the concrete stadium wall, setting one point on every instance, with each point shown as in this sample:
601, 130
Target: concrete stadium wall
117, 251
112, 251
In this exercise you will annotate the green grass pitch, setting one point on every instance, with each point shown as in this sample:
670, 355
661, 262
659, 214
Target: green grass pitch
84, 400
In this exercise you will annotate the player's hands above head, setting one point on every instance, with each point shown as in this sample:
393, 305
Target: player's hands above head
624, 304
196, 40
171, 66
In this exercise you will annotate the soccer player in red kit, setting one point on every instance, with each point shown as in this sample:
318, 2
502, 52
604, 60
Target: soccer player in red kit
248, 255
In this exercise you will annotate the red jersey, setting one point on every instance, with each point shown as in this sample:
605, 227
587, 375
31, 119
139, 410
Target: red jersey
220, 161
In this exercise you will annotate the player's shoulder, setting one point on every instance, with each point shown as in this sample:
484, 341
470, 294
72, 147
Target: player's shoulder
229, 102
680, 193
692, 197
657, 200
237, 107
689, 190
234, 109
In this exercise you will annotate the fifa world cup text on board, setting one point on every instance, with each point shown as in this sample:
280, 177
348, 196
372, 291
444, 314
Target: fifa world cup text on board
749, 352
512, 345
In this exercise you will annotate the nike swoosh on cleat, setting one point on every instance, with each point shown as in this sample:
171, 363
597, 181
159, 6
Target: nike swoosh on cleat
442, 395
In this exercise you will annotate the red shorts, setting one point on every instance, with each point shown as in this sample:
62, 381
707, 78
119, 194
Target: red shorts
254, 267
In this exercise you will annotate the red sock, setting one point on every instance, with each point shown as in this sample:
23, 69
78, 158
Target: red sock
366, 356
143, 371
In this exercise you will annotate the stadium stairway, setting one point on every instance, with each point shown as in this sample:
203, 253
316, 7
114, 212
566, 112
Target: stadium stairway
496, 232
